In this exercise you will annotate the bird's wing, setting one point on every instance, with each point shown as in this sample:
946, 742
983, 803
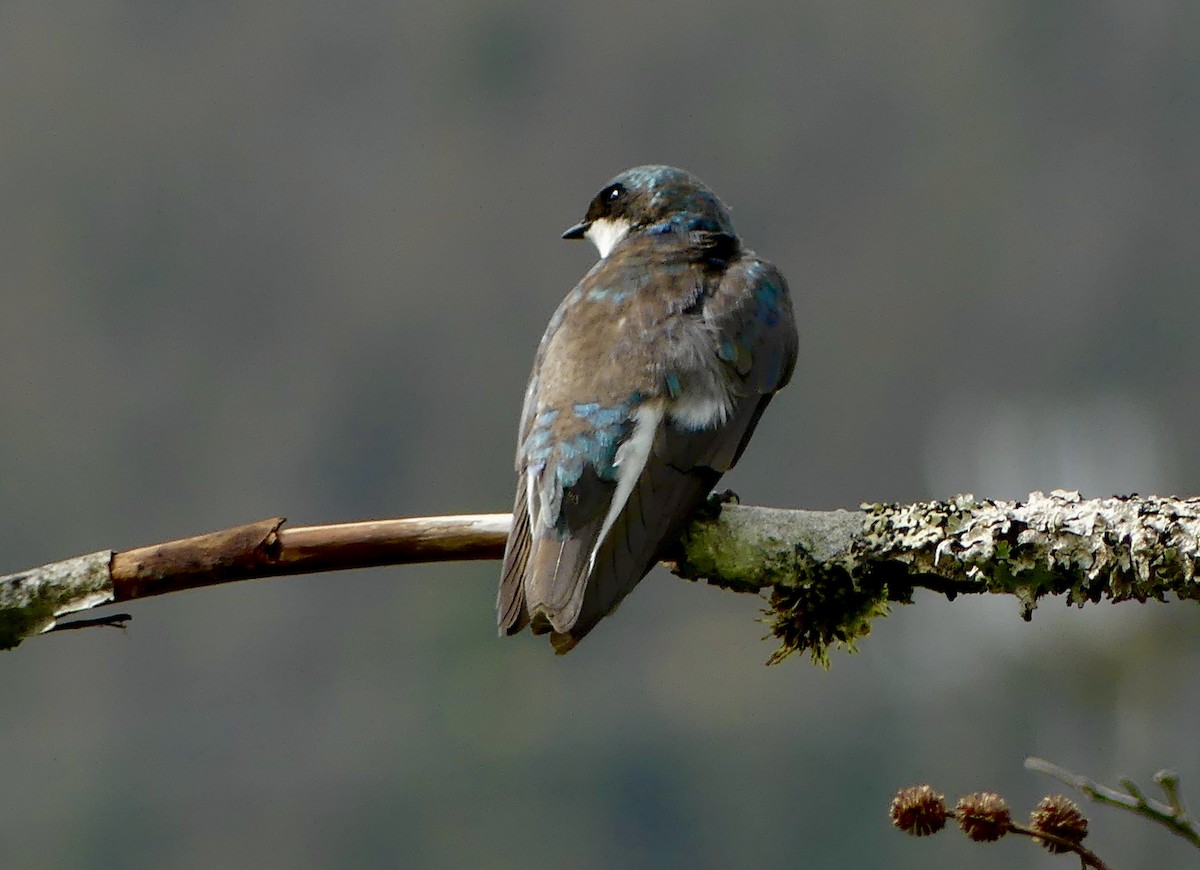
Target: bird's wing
511, 612
658, 506
755, 331
755, 328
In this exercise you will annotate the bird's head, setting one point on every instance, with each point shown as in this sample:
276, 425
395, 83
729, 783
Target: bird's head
650, 199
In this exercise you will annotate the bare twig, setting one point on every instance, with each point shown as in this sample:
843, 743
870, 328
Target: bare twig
32, 601
1172, 814
267, 549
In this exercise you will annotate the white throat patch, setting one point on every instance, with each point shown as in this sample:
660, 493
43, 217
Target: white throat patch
605, 233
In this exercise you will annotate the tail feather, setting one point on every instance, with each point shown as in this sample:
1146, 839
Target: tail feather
545, 570
658, 510
511, 613
556, 579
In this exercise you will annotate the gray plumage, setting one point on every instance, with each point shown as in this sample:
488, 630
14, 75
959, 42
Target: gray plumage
646, 387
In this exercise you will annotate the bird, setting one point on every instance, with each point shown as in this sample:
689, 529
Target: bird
647, 385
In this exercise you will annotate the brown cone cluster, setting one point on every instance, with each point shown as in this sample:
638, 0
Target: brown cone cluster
919, 810
983, 816
1061, 817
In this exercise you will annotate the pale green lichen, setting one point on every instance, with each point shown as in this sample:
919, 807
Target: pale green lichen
31, 601
1119, 548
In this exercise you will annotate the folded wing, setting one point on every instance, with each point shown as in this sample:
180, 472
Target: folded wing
582, 539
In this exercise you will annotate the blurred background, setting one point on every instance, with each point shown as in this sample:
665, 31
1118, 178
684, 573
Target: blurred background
295, 259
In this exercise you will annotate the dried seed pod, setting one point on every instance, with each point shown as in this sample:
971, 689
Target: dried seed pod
983, 816
1061, 817
919, 811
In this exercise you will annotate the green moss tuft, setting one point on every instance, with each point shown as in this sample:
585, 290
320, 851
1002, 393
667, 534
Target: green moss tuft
812, 617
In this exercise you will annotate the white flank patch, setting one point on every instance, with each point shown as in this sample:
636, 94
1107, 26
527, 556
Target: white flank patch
605, 233
704, 412
549, 499
630, 462
531, 500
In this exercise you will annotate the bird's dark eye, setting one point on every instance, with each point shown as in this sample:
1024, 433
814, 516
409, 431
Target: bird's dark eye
608, 202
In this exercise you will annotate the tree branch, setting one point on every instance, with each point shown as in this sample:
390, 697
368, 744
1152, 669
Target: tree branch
829, 572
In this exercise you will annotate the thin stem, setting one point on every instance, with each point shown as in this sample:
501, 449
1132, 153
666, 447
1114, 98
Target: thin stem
1086, 855
1173, 814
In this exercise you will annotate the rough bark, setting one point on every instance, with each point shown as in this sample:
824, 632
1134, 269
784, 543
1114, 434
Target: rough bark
831, 573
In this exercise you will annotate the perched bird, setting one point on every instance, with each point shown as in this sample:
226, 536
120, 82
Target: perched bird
646, 387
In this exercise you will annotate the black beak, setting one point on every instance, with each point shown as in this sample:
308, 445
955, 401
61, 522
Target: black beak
577, 231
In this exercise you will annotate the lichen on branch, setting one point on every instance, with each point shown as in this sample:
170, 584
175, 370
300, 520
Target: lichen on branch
831, 573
